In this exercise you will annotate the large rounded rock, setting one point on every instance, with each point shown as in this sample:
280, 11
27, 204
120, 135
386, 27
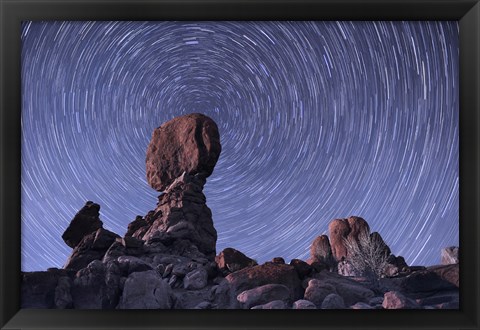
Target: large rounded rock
189, 143
350, 290
342, 229
268, 273
333, 301
339, 230
263, 294
317, 291
320, 251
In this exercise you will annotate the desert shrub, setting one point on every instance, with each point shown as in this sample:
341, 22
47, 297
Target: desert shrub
367, 254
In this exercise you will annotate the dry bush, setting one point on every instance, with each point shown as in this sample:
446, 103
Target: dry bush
368, 255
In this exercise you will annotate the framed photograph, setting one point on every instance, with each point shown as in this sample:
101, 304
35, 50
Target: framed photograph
185, 164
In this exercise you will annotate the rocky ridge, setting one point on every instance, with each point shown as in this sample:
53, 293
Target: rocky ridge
167, 259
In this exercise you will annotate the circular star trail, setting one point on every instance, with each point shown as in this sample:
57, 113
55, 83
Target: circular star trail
318, 120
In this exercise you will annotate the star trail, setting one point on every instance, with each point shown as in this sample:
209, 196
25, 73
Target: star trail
318, 120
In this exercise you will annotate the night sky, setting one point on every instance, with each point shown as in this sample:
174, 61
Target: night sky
318, 120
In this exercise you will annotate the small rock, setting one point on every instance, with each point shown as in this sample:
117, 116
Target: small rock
196, 279
204, 305
450, 255
130, 264
278, 260
317, 291
361, 305
231, 260
168, 270
396, 300
132, 242
376, 301
276, 304
303, 304
333, 301
303, 269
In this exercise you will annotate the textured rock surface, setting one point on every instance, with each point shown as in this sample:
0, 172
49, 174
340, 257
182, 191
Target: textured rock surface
276, 304
396, 300
92, 247
432, 279
181, 214
449, 255
268, 273
145, 290
341, 229
317, 291
39, 289
89, 287
303, 269
196, 279
86, 221
189, 143
303, 304
320, 251
263, 294
231, 260
333, 301
350, 290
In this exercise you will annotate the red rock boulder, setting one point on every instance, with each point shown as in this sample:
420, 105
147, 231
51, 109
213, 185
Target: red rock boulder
341, 229
189, 143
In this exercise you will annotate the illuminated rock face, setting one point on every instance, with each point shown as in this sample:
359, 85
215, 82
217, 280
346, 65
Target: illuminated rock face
189, 144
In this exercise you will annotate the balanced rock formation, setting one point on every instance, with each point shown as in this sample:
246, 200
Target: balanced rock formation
180, 156
189, 144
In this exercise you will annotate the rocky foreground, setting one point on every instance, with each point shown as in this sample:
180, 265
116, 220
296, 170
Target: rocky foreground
167, 259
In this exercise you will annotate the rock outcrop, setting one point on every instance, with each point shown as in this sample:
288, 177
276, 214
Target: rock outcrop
167, 258
449, 255
85, 222
86, 235
189, 144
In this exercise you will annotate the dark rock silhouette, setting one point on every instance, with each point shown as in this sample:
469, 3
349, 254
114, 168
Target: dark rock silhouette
167, 258
231, 260
189, 144
86, 221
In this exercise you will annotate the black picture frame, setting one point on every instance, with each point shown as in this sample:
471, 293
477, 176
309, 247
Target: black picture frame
13, 12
